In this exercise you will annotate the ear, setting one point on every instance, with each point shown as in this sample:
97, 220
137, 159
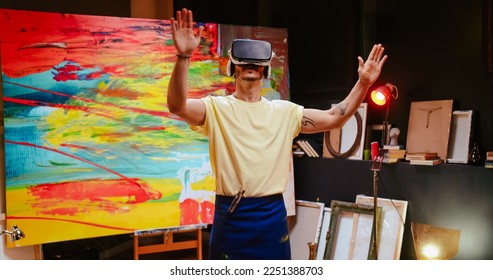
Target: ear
230, 68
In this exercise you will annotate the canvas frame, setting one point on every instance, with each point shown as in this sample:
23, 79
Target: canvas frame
429, 127
322, 239
460, 136
304, 227
338, 208
391, 228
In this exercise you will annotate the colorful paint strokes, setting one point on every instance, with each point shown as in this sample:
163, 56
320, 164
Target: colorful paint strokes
90, 147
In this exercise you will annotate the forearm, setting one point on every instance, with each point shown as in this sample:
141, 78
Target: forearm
315, 120
347, 107
178, 86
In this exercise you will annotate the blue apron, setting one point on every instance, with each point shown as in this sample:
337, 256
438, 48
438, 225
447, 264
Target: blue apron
256, 230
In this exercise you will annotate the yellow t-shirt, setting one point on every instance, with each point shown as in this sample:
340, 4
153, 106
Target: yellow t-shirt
250, 143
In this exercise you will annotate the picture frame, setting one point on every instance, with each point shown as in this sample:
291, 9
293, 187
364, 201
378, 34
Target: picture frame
344, 216
460, 136
304, 227
391, 226
349, 141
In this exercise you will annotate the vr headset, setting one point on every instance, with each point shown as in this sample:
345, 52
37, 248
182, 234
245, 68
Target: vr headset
247, 51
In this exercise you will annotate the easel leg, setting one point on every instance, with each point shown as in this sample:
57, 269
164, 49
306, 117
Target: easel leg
199, 244
136, 247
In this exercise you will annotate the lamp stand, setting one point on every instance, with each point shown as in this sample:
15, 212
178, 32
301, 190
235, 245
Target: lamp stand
377, 164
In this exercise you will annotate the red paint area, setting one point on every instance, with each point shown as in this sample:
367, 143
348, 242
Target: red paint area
193, 212
71, 198
189, 212
207, 212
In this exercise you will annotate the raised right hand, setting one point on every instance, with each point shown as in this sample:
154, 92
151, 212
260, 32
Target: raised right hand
184, 39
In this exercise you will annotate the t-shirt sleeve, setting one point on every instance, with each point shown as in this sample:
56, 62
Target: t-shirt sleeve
298, 116
203, 129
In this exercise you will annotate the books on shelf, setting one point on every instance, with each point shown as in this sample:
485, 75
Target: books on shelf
426, 161
488, 164
393, 147
489, 155
394, 155
422, 156
307, 148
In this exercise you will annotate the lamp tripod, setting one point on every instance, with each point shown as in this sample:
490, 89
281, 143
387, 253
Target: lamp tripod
377, 164
380, 96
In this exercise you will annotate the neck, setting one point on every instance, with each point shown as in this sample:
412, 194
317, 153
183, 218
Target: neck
247, 91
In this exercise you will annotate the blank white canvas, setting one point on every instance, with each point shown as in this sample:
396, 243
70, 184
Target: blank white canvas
305, 227
460, 136
392, 218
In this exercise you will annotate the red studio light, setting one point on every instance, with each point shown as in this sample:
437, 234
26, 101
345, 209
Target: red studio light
381, 95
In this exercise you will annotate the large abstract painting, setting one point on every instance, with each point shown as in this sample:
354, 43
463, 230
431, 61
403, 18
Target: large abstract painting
90, 147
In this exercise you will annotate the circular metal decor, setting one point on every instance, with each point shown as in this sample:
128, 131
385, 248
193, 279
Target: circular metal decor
353, 147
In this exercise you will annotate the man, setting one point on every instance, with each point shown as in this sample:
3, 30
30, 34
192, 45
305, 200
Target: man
250, 140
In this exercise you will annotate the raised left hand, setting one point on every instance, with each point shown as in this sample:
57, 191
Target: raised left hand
369, 70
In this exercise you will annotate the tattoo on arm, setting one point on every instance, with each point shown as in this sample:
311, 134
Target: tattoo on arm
342, 108
307, 121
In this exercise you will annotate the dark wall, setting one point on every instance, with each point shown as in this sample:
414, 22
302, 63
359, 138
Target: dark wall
437, 50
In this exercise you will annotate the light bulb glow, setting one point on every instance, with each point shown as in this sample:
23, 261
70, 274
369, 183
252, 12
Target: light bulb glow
430, 251
378, 98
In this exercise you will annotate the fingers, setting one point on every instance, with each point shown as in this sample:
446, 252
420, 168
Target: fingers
189, 19
184, 19
361, 61
382, 61
376, 52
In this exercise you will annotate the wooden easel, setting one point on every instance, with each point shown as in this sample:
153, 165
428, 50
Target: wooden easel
143, 241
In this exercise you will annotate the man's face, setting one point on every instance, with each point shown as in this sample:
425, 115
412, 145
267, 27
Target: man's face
249, 72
